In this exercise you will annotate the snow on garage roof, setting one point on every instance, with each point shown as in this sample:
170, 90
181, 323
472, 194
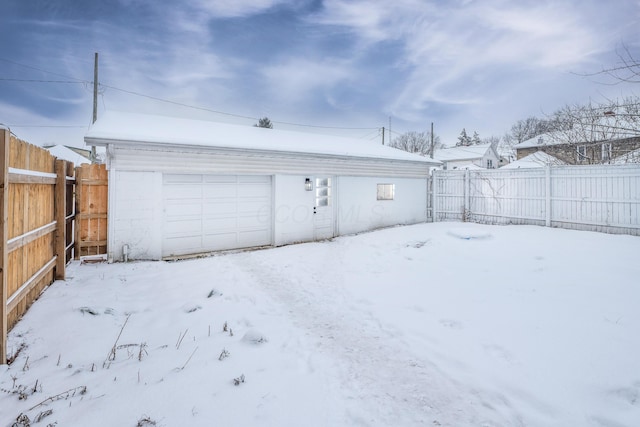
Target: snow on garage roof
117, 127
66, 153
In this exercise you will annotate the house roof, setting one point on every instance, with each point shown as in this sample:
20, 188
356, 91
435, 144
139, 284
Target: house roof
65, 153
125, 128
551, 138
538, 159
630, 157
462, 153
560, 138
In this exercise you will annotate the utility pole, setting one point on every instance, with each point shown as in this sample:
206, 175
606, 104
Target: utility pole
95, 102
382, 135
432, 147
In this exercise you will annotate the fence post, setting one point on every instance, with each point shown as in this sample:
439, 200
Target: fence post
432, 181
5, 140
467, 190
76, 238
60, 207
433, 196
547, 196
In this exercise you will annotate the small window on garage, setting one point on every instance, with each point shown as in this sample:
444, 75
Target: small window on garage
386, 191
323, 192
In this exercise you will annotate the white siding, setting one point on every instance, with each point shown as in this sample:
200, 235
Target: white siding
135, 214
207, 161
295, 220
359, 210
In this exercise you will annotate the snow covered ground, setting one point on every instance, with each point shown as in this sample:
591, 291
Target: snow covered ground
435, 324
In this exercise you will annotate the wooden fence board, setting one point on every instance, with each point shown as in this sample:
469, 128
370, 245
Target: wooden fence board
91, 210
5, 138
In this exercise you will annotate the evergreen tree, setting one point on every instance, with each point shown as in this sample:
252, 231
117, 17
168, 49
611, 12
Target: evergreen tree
463, 139
264, 123
476, 138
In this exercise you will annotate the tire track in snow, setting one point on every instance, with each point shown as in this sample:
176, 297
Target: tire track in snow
386, 383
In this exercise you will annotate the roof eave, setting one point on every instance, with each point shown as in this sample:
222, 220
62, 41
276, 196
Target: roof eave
103, 142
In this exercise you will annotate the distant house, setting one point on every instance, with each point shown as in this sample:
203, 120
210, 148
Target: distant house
538, 159
483, 156
581, 153
71, 154
629, 157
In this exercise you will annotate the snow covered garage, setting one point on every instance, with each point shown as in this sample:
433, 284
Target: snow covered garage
180, 187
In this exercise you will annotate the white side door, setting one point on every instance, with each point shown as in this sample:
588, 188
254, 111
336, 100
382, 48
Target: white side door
323, 210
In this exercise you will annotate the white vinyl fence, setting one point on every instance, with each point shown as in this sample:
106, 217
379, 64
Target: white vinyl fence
597, 198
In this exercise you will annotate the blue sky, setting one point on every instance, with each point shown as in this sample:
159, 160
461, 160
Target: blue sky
481, 65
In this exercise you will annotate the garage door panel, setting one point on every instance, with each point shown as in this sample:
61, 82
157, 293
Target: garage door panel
255, 179
185, 242
252, 222
220, 241
215, 212
253, 238
181, 178
211, 225
259, 190
221, 208
182, 192
185, 227
253, 206
179, 210
219, 191
220, 179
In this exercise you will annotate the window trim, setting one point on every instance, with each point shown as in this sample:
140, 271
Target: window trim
386, 191
581, 152
607, 148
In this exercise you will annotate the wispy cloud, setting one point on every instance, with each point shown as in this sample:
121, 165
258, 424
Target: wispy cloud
331, 61
236, 8
296, 78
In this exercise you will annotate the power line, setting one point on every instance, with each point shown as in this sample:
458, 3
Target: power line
168, 101
155, 98
41, 70
48, 126
40, 81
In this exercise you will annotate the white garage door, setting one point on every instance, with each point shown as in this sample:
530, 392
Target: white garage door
215, 212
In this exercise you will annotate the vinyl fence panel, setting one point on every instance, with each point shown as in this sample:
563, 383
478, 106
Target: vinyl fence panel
597, 197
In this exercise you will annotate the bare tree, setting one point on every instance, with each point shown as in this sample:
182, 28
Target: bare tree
416, 142
525, 129
614, 119
626, 70
493, 140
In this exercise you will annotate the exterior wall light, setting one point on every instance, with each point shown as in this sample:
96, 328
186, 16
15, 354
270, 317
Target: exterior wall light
308, 185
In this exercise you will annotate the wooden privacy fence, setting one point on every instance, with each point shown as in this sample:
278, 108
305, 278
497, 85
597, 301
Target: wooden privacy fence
91, 208
602, 198
35, 217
